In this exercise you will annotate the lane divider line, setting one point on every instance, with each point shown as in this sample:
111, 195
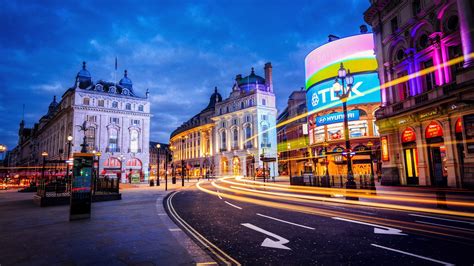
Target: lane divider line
235, 206
411, 254
221, 255
449, 226
439, 218
378, 229
283, 221
174, 229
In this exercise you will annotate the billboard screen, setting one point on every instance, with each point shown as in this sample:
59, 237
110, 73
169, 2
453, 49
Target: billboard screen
322, 65
364, 90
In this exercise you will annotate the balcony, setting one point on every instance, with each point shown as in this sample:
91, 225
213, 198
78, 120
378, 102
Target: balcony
112, 149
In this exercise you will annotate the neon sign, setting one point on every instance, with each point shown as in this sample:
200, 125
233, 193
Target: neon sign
336, 118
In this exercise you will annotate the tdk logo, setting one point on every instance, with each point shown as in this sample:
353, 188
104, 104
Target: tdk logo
321, 96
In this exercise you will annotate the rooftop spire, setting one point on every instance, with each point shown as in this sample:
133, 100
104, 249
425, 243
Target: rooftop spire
125, 73
83, 64
215, 89
253, 72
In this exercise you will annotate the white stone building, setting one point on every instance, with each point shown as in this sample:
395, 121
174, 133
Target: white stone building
117, 122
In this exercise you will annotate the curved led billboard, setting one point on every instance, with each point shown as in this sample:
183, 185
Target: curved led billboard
322, 65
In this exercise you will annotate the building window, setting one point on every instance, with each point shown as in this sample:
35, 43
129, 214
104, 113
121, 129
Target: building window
90, 138
264, 102
114, 104
114, 120
134, 141
242, 105
135, 122
86, 101
265, 142
128, 106
248, 135
113, 140
394, 24
416, 6
223, 141
101, 103
250, 102
227, 109
247, 118
223, 124
264, 117
455, 52
402, 87
220, 111
140, 108
235, 140
429, 80
234, 122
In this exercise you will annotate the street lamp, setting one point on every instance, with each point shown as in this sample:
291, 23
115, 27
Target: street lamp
370, 144
158, 146
3, 149
343, 93
69, 144
289, 162
166, 168
44, 155
326, 162
122, 159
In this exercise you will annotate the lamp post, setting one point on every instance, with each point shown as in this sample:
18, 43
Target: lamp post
207, 164
122, 158
326, 162
289, 161
158, 146
44, 155
166, 169
69, 144
370, 144
343, 93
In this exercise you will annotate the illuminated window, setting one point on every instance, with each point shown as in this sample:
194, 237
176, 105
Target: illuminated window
90, 138
223, 141
113, 140
402, 87
112, 162
248, 135
265, 140
134, 141
235, 141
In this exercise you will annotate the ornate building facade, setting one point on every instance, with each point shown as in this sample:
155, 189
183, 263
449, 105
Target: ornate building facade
229, 136
117, 123
426, 68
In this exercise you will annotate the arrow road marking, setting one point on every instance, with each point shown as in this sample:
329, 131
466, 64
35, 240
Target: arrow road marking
411, 254
280, 243
283, 221
378, 229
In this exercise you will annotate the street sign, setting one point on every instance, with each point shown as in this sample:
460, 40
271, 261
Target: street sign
81, 186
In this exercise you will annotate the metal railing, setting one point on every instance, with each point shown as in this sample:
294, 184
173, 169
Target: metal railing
333, 181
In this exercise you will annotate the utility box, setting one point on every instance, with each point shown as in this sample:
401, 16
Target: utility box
81, 186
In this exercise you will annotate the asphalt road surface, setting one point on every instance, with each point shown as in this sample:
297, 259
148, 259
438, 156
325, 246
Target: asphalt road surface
257, 232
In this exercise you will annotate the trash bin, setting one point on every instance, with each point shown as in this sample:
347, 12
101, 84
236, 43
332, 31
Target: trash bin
152, 183
173, 180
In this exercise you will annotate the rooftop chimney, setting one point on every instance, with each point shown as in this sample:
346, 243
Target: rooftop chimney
268, 76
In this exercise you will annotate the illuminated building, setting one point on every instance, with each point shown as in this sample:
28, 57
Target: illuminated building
117, 119
229, 135
426, 121
293, 137
325, 122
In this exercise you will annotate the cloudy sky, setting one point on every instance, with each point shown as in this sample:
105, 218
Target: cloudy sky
179, 50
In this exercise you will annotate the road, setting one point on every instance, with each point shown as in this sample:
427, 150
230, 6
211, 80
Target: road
245, 223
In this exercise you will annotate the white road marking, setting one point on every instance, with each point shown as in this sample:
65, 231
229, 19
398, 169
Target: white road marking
280, 243
235, 206
442, 225
162, 213
283, 221
219, 194
378, 229
174, 229
439, 218
411, 254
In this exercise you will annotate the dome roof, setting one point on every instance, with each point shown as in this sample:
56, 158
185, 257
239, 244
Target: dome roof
125, 81
84, 73
215, 98
52, 106
251, 79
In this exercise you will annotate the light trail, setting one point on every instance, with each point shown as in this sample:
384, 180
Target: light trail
424, 229
394, 82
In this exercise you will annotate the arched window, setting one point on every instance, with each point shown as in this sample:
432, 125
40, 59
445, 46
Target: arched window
134, 162
113, 140
128, 106
235, 139
112, 162
248, 135
86, 101
134, 141
223, 141
90, 138
114, 104
140, 108
101, 103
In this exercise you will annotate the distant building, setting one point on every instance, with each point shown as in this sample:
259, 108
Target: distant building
229, 136
426, 122
117, 122
161, 152
292, 136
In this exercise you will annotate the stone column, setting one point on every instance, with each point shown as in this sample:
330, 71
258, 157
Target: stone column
466, 21
421, 149
450, 144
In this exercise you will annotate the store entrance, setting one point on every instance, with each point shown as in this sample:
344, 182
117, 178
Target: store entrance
437, 158
411, 163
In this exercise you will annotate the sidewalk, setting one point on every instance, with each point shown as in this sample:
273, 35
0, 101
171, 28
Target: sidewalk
134, 230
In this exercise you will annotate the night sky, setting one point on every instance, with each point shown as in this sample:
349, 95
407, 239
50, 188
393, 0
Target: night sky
179, 50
